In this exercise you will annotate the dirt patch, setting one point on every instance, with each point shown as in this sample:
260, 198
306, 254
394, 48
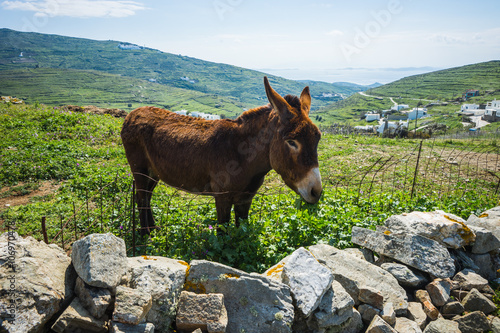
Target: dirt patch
14, 199
118, 113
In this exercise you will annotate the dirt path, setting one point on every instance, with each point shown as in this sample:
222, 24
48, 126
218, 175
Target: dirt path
46, 188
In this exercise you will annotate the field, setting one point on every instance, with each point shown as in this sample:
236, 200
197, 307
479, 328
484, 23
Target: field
70, 168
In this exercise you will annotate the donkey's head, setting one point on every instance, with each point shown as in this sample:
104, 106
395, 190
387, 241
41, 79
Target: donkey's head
293, 151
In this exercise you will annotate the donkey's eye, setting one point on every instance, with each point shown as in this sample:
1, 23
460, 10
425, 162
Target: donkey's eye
292, 144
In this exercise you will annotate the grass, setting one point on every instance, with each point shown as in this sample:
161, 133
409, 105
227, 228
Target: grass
84, 154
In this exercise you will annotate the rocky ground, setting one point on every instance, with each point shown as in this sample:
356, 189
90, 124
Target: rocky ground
420, 272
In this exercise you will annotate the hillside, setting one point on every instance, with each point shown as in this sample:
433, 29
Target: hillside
68, 86
445, 84
20, 50
440, 91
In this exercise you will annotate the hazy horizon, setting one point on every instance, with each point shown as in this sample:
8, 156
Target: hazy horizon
360, 42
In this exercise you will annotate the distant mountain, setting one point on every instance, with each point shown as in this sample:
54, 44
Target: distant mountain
21, 51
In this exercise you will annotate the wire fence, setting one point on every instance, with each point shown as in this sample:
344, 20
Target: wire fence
428, 168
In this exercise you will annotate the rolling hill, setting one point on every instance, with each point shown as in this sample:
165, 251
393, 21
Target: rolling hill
445, 84
20, 51
440, 91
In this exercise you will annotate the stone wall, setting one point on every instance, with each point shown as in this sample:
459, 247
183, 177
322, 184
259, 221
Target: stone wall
419, 272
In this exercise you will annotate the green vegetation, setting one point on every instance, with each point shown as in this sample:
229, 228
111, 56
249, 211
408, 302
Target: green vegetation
366, 179
243, 87
50, 86
445, 85
440, 92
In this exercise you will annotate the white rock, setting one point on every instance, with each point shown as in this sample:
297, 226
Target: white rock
42, 281
308, 280
419, 252
353, 273
163, 278
100, 260
254, 303
447, 229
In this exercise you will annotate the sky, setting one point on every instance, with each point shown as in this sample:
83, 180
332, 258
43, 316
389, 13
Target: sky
358, 41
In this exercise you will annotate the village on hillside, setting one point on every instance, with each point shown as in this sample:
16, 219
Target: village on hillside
397, 118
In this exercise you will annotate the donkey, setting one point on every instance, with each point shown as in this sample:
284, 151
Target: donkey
227, 159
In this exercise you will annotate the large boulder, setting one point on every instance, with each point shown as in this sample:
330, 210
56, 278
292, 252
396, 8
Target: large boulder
354, 274
36, 281
417, 251
163, 278
254, 303
100, 260
447, 229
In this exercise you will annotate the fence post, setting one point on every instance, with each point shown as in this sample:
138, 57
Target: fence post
100, 201
62, 232
416, 170
133, 218
44, 231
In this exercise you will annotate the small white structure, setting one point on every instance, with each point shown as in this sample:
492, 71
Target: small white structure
417, 113
469, 107
492, 106
129, 47
389, 125
182, 112
204, 115
399, 107
372, 116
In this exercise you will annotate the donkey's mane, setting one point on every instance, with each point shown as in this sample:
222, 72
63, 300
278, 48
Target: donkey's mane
294, 101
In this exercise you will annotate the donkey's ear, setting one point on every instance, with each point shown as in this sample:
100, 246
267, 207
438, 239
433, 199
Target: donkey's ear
305, 100
277, 102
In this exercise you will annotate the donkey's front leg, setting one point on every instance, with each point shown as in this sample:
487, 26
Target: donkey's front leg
223, 206
242, 207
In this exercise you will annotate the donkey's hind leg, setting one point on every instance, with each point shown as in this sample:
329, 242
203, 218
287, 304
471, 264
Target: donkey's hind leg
145, 182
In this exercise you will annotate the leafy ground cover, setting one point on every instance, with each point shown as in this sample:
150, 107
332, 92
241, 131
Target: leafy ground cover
366, 179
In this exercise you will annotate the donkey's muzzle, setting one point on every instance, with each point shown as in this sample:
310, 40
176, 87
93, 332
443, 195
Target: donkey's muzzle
309, 187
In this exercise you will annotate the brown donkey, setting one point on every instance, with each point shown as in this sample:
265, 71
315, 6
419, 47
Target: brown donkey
227, 159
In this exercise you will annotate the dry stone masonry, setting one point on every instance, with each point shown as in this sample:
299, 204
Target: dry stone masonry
419, 272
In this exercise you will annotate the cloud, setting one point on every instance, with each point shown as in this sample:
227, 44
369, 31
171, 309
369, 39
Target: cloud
335, 33
77, 8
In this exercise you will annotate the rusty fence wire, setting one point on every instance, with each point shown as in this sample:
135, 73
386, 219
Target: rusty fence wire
429, 168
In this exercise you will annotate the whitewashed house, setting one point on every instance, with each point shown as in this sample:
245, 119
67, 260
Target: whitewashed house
372, 116
491, 107
182, 112
417, 113
471, 110
391, 126
469, 107
204, 115
399, 107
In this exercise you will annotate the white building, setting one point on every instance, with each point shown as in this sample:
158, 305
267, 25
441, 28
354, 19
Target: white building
204, 115
389, 125
417, 113
372, 116
491, 107
469, 107
181, 112
399, 107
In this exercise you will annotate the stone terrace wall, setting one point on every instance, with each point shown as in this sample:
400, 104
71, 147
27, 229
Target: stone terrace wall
419, 272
